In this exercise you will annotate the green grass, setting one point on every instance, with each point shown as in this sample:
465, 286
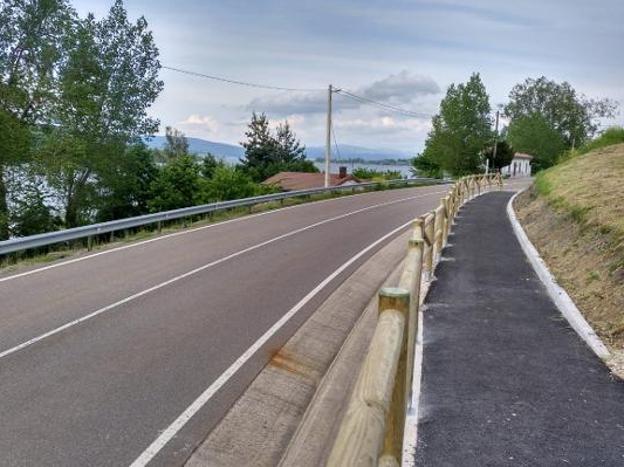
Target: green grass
611, 136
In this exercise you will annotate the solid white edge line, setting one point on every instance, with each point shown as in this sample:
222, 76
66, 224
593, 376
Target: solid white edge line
558, 295
171, 235
171, 431
116, 304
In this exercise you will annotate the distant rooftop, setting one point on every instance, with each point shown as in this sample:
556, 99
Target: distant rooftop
289, 181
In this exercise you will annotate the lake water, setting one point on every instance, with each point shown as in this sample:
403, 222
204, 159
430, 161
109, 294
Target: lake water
335, 166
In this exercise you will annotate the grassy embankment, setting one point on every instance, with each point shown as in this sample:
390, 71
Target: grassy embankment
574, 214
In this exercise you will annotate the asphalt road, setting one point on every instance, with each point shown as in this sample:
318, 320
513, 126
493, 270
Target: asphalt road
133, 354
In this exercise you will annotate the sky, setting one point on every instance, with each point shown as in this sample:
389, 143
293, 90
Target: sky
402, 53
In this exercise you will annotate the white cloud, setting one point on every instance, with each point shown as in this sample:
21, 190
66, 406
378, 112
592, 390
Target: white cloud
385, 124
401, 89
199, 125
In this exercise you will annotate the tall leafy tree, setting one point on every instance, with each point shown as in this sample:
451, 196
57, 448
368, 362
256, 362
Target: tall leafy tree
32, 34
107, 84
570, 114
460, 131
534, 135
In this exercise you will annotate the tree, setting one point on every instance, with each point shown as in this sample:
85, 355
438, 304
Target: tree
124, 189
229, 182
32, 34
533, 135
31, 214
209, 164
177, 145
424, 165
261, 154
288, 146
178, 185
460, 131
107, 83
570, 114
266, 155
504, 155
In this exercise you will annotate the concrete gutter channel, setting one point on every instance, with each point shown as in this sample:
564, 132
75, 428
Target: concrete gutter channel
288, 414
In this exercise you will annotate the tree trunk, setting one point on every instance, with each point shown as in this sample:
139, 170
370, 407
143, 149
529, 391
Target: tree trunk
75, 199
4, 208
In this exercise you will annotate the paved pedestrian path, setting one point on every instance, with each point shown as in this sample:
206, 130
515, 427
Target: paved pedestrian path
505, 380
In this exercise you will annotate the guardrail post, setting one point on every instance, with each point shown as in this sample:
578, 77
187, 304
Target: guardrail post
398, 299
89, 242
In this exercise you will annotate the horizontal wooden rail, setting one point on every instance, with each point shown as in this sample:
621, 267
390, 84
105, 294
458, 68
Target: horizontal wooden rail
371, 431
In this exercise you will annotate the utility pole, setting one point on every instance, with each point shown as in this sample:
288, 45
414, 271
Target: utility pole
328, 135
487, 168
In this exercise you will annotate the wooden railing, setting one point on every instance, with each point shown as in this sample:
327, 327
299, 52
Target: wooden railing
371, 431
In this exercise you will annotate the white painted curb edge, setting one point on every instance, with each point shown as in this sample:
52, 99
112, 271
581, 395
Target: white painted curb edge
558, 295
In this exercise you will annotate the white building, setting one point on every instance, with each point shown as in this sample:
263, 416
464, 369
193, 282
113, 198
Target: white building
520, 166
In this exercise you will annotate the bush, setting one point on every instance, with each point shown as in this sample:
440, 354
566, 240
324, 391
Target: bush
231, 183
372, 174
613, 135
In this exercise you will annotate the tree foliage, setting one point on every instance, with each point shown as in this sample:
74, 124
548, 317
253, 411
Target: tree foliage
570, 114
534, 135
106, 85
178, 185
32, 35
504, 155
459, 132
267, 154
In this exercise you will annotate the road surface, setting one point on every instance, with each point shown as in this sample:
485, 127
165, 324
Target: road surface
131, 355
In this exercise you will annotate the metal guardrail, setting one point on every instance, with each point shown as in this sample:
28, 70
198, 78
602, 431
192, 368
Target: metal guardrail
372, 428
89, 231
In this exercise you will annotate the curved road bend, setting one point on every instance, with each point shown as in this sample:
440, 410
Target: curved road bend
133, 354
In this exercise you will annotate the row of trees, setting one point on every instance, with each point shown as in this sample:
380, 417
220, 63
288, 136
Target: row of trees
74, 99
74, 94
546, 119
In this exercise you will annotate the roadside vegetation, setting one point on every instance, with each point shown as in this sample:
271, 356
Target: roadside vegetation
574, 214
74, 99
364, 173
546, 120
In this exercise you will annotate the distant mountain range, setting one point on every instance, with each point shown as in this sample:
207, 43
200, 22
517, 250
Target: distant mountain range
232, 151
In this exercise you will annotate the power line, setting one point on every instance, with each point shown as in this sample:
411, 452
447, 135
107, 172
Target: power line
240, 83
366, 100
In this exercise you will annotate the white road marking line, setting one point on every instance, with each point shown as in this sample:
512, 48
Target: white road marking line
171, 431
130, 298
166, 236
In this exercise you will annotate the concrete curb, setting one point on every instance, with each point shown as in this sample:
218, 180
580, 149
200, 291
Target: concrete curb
558, 295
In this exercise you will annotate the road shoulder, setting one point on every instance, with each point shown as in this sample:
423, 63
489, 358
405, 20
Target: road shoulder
260, 425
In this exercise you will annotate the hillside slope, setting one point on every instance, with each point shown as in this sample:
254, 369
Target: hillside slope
574, 214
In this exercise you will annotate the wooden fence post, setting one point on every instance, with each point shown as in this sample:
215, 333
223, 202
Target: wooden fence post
430, 221
398, 299
372, 426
